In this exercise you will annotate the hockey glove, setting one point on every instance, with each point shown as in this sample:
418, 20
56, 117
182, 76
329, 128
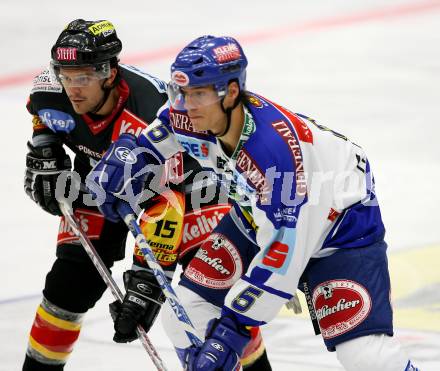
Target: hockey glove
224, 344
141, 305
119, 175
43, 165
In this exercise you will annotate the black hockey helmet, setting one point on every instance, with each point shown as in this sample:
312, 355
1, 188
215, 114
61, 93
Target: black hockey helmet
86, 43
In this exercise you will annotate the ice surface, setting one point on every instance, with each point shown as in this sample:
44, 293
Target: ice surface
368, 70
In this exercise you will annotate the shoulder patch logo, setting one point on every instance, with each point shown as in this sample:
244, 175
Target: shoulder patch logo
57, 121
43, 83
255, 101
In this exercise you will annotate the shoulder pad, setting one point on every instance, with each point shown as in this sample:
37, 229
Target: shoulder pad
43, 83
160, 85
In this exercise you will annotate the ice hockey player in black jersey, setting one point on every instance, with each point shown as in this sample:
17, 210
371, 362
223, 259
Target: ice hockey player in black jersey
83, 102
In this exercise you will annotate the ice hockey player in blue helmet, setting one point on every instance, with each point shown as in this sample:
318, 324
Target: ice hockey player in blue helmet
306, 217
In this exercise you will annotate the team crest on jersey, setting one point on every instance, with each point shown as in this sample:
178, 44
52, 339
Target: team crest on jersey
217, 264
255, 101
340, 306
37, 124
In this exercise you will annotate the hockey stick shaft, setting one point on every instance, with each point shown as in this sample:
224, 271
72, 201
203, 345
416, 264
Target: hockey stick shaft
108, 279
129, 218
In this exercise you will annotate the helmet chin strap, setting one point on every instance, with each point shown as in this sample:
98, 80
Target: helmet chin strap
104, 99
228, 112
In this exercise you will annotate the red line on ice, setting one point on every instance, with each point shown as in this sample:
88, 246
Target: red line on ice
261, 36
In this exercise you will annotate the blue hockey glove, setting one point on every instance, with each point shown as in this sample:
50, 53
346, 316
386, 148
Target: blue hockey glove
119, 175
222, 349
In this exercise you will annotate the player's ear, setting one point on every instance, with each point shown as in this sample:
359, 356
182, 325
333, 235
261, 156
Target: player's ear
112, 77
232, 94
233, 90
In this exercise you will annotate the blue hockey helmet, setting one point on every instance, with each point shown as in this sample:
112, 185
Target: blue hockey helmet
208, 60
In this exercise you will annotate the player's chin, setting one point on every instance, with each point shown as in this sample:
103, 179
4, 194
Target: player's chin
81, 108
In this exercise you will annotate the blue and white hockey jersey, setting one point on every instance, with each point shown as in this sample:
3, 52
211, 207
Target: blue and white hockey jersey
301, 191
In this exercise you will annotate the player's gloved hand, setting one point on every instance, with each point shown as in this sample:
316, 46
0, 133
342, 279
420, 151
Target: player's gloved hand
43, 165
222, 349
141, 305
119, 175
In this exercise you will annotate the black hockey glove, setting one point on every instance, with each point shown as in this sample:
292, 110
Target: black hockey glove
141, 305
43, 165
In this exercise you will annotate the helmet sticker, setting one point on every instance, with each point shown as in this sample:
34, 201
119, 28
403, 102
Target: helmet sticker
66, 54
94, 42
226, 53
105, 28
180, 78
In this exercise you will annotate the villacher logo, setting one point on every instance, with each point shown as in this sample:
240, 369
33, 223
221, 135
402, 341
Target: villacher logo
340, 306
217, 268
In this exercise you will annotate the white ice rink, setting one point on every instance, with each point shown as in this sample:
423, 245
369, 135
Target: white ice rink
369, 69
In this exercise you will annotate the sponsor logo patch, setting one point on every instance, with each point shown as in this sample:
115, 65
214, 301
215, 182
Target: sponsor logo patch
301, 128
226, 53
253, 174
199, 150
180, 78
340, 306
286, 214
142, 287
89, 152
105, 28
90, 222
199, 224
218, 347
289, 138
182, 124
66, 54
44, 83
125, 155
276, 255
128, 123
57, 120
164, 253
216, 267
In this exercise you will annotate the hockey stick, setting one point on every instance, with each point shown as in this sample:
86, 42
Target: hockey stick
129, 218
108, 279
